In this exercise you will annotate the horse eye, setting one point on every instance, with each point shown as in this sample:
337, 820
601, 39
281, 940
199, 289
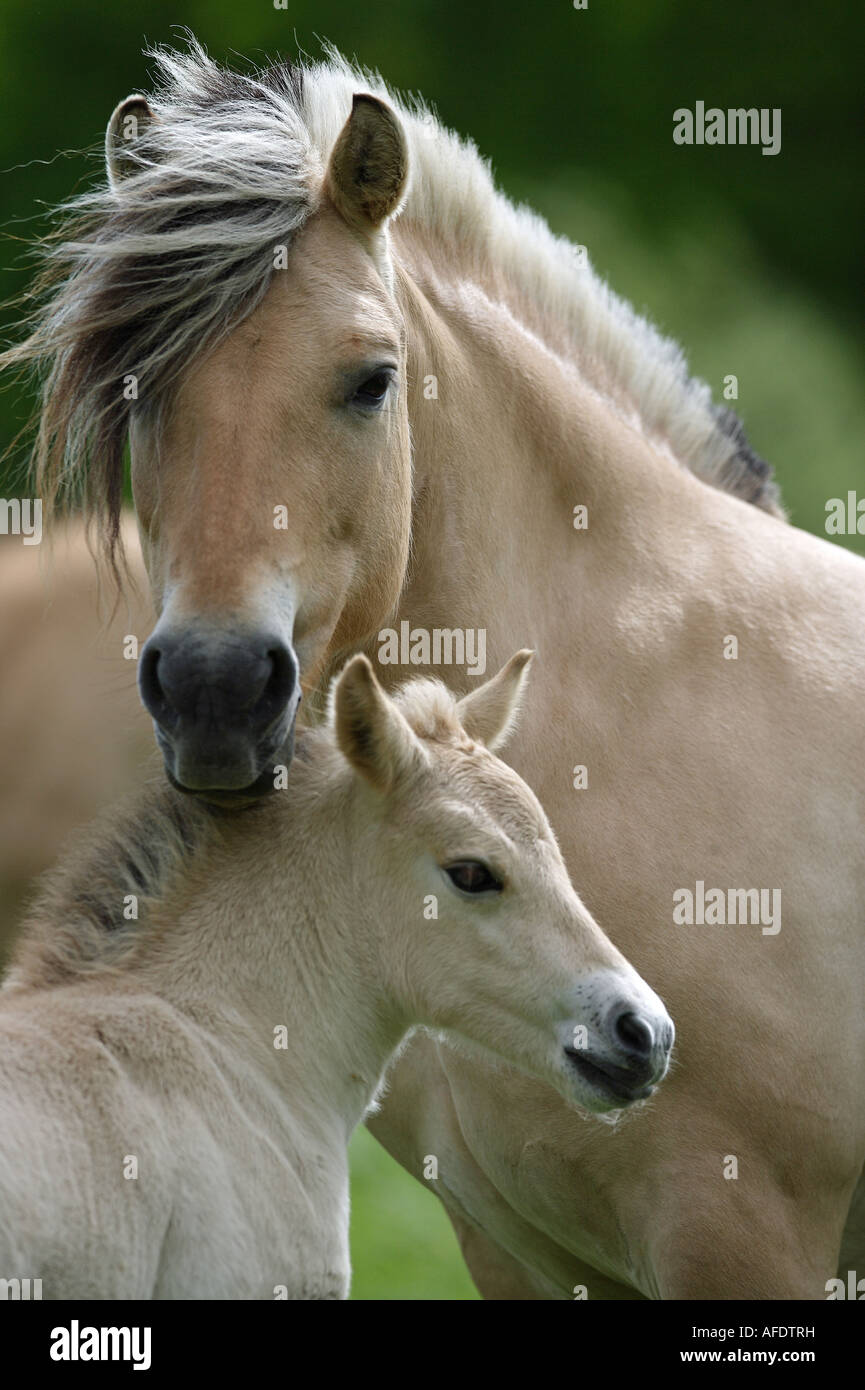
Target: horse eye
371, 393
471, 876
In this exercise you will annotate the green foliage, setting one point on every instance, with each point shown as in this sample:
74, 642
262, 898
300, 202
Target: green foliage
702, 280
403, 1246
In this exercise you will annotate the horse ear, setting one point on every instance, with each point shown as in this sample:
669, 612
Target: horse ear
128, 120
370, 731
368, 167
490, 713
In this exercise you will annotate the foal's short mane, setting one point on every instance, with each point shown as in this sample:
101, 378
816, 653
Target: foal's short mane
141, 849
141, 278
83, 917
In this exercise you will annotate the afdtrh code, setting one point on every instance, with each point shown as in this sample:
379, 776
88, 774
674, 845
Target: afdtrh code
722, 1333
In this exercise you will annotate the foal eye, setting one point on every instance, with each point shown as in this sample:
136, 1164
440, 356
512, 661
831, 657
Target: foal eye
371, 393
471, 876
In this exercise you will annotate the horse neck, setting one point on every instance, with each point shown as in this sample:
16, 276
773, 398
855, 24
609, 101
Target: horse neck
515, 440
277, 929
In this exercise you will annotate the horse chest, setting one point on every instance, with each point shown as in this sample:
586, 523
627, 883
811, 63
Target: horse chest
259, 1220
276, 1250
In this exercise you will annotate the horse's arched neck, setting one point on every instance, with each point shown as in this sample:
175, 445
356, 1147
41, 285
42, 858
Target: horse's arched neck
508, 439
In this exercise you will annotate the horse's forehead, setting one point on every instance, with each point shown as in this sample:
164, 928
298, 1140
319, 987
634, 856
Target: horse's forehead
325, 301
493, 794
312, 316
329, 273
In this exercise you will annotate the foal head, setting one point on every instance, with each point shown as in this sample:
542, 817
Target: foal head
274, 497
481, 933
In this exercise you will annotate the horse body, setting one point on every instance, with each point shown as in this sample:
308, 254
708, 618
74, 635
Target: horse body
631, 616
75, 736
178, 1092
169, 1167
459, 385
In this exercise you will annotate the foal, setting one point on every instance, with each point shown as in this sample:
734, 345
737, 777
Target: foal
203, 1006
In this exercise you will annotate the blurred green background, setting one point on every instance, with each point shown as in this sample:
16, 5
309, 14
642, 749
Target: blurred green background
749, 261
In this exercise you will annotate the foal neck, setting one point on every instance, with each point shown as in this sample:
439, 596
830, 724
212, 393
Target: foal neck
270, 938
260, 927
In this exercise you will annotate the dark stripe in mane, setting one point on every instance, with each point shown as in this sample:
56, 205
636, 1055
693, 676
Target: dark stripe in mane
746, 474
135, 851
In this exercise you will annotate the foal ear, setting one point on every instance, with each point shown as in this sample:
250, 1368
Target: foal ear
490, 713
128, 120
371, 732
368, 166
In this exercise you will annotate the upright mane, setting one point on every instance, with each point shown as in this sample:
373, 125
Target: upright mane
145, 275
94, 904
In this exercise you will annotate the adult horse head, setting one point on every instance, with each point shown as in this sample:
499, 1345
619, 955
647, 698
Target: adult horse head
274, 494
226, 304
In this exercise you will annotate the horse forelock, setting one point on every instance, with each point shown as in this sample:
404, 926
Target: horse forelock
142, 278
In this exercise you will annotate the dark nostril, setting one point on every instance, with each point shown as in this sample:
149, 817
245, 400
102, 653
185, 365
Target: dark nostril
152, 693
280, 683
210, 685
634, 1034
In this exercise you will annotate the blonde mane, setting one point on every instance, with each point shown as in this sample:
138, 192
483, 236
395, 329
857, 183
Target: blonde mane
146, 273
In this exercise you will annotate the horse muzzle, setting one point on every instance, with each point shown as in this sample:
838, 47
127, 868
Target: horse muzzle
224, 706
629, 1055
